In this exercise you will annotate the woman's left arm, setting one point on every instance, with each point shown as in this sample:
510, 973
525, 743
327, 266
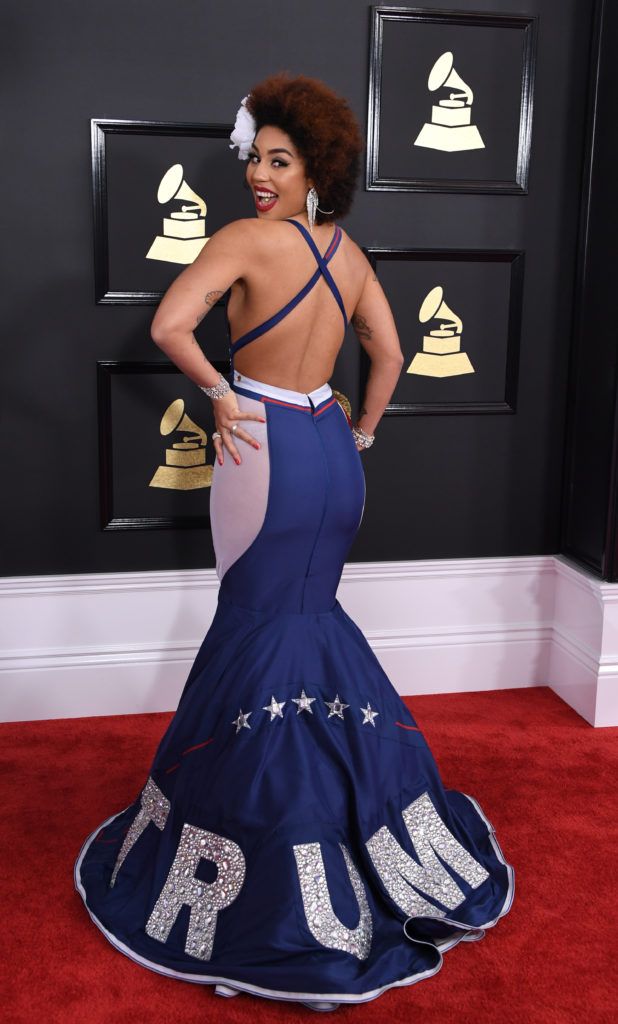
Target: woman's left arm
223, 260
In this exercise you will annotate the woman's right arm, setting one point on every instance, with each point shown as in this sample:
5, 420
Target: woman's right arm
375, 329
223, 260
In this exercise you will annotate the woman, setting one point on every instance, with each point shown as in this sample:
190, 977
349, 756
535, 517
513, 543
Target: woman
293, 838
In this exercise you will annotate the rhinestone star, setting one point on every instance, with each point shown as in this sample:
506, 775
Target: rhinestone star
304, 702
242, 720
369, 715
275, 707
336, 707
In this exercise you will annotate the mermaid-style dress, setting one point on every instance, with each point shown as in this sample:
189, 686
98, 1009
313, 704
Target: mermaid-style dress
293, 838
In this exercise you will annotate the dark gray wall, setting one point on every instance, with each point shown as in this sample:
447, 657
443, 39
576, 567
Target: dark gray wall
590, 493
437, 486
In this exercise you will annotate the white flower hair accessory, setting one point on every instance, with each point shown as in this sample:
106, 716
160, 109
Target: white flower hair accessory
244, 130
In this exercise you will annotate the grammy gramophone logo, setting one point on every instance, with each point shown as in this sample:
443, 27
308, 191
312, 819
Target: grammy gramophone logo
450, 129
185, 466
184, 230
441, 355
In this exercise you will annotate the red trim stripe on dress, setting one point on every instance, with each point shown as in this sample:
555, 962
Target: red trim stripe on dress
303, 408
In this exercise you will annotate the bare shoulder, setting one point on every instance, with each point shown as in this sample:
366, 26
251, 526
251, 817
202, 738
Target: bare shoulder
361, 264
242, 230
233, 249
354, 248
251, 236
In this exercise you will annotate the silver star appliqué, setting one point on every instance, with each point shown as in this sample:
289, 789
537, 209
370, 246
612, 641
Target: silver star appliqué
304, 702
275, 707
242, 720
336, 707
369, 715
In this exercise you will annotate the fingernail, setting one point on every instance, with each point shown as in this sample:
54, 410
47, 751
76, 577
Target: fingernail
262, 421
237, 461
257, 446
220, 462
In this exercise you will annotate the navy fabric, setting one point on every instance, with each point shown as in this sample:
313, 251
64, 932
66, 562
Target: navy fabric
303, 778
315, 500
272, 321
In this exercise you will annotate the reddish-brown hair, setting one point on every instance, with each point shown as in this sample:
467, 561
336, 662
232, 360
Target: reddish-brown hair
323, 128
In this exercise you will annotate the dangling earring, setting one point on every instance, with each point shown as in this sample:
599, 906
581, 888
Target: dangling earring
312, 206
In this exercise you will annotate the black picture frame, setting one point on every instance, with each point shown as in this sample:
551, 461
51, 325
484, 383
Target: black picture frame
396, 79
136, 174
411, 294
121, 476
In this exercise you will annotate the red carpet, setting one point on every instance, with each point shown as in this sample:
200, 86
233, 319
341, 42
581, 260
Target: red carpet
546, 780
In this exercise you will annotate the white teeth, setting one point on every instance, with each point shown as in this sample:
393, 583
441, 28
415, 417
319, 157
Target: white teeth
266, 195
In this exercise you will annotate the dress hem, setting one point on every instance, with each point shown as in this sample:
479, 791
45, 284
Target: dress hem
231, 987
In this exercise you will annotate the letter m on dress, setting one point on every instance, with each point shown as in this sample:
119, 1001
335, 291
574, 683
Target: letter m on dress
402, 875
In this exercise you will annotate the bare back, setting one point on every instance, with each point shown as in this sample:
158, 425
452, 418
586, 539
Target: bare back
300, 351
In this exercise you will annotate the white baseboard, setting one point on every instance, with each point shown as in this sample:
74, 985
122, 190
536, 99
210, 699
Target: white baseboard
123, 643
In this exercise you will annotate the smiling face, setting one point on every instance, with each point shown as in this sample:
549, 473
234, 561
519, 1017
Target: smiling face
276, 176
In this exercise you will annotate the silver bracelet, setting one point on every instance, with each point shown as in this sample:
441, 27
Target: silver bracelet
217, 390
362, 438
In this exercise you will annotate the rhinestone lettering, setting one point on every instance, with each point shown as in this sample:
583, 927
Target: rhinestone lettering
206, 899
321, 919
396, 868
155, 807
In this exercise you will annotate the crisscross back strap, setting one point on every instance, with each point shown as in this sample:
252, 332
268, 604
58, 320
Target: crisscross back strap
322, 265
322, 269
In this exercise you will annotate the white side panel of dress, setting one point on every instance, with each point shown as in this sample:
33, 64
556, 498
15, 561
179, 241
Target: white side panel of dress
239, 494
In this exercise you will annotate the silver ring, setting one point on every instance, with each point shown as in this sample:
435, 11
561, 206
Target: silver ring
216, 434
234, 428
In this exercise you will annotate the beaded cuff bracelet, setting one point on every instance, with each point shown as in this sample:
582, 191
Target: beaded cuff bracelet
362, 438
217, 390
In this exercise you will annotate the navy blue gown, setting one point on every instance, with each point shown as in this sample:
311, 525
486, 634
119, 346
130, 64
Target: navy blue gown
293, 838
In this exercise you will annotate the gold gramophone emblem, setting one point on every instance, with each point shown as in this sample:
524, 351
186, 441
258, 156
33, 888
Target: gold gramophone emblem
185, 466
184, 230
441, 355
449, 130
